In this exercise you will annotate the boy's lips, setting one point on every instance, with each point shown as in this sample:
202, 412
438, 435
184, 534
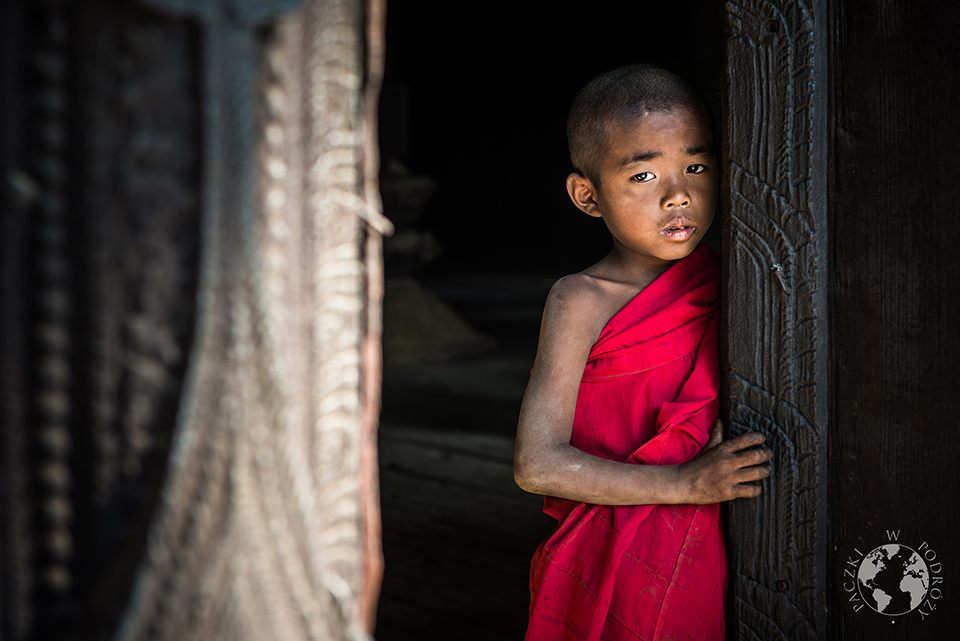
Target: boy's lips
679, 229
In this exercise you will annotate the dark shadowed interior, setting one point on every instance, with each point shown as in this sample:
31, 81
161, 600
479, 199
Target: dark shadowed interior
474, 162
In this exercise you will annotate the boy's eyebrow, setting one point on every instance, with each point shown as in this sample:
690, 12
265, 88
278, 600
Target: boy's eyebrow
699, 150
643, 156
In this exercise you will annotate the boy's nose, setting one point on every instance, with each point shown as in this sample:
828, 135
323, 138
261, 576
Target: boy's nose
675, 193
677, 196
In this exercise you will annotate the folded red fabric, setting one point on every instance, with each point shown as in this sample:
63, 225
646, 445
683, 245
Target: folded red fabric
649, 395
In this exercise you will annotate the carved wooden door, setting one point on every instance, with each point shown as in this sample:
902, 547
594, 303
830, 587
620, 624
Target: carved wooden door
189, 330
842, 309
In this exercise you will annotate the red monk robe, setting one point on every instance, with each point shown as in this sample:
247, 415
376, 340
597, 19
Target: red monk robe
649, 395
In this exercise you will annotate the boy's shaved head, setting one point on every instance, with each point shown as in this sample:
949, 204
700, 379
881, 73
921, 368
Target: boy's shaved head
620, 96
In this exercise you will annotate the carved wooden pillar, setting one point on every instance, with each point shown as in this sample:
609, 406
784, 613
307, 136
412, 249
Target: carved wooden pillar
774, 193
190, 325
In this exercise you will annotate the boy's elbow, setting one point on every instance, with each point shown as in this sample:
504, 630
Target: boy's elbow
526, 474
521, 477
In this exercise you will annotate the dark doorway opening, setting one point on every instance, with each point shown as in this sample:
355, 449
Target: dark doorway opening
473, 131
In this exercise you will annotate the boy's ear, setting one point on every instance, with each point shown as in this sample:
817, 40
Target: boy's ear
583, 194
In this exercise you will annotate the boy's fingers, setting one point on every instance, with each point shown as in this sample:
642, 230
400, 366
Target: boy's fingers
750, 439
748, 491
716, 434
753, 473
757, 456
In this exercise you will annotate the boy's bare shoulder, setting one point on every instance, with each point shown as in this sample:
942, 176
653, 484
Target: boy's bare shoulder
578, 286
581, 302
577, 292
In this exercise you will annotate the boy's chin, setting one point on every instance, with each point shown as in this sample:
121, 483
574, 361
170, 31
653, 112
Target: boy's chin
677, 250
671, 253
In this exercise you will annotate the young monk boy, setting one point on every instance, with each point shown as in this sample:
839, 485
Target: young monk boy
618, 427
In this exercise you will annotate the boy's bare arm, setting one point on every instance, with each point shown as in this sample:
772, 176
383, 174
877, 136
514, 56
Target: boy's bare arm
546, 463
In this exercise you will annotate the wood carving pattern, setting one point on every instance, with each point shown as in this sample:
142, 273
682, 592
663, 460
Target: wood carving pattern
263, 491
190, 323
52, 316
156, 201
111, 178
775, 191
37, 543
138, 217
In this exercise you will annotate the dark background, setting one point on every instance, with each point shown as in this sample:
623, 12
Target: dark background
475, 96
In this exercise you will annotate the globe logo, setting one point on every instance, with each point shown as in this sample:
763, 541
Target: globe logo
893, 579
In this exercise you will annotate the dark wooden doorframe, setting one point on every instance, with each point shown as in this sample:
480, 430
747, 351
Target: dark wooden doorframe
842, 301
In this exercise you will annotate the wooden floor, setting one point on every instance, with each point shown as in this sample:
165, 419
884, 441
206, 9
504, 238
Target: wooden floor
458, 535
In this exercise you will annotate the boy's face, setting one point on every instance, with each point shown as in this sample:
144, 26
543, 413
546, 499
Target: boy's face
658, 185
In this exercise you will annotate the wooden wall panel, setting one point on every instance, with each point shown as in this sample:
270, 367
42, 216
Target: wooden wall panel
895, 234
774, 145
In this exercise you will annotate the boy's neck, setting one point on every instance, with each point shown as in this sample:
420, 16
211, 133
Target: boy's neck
629, 267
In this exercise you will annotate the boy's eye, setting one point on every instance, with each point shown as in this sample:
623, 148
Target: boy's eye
644, 176
696, 169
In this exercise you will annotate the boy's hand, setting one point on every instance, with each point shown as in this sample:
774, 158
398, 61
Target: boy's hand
725, 470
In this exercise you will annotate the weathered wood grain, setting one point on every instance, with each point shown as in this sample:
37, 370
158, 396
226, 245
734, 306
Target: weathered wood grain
895, 232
